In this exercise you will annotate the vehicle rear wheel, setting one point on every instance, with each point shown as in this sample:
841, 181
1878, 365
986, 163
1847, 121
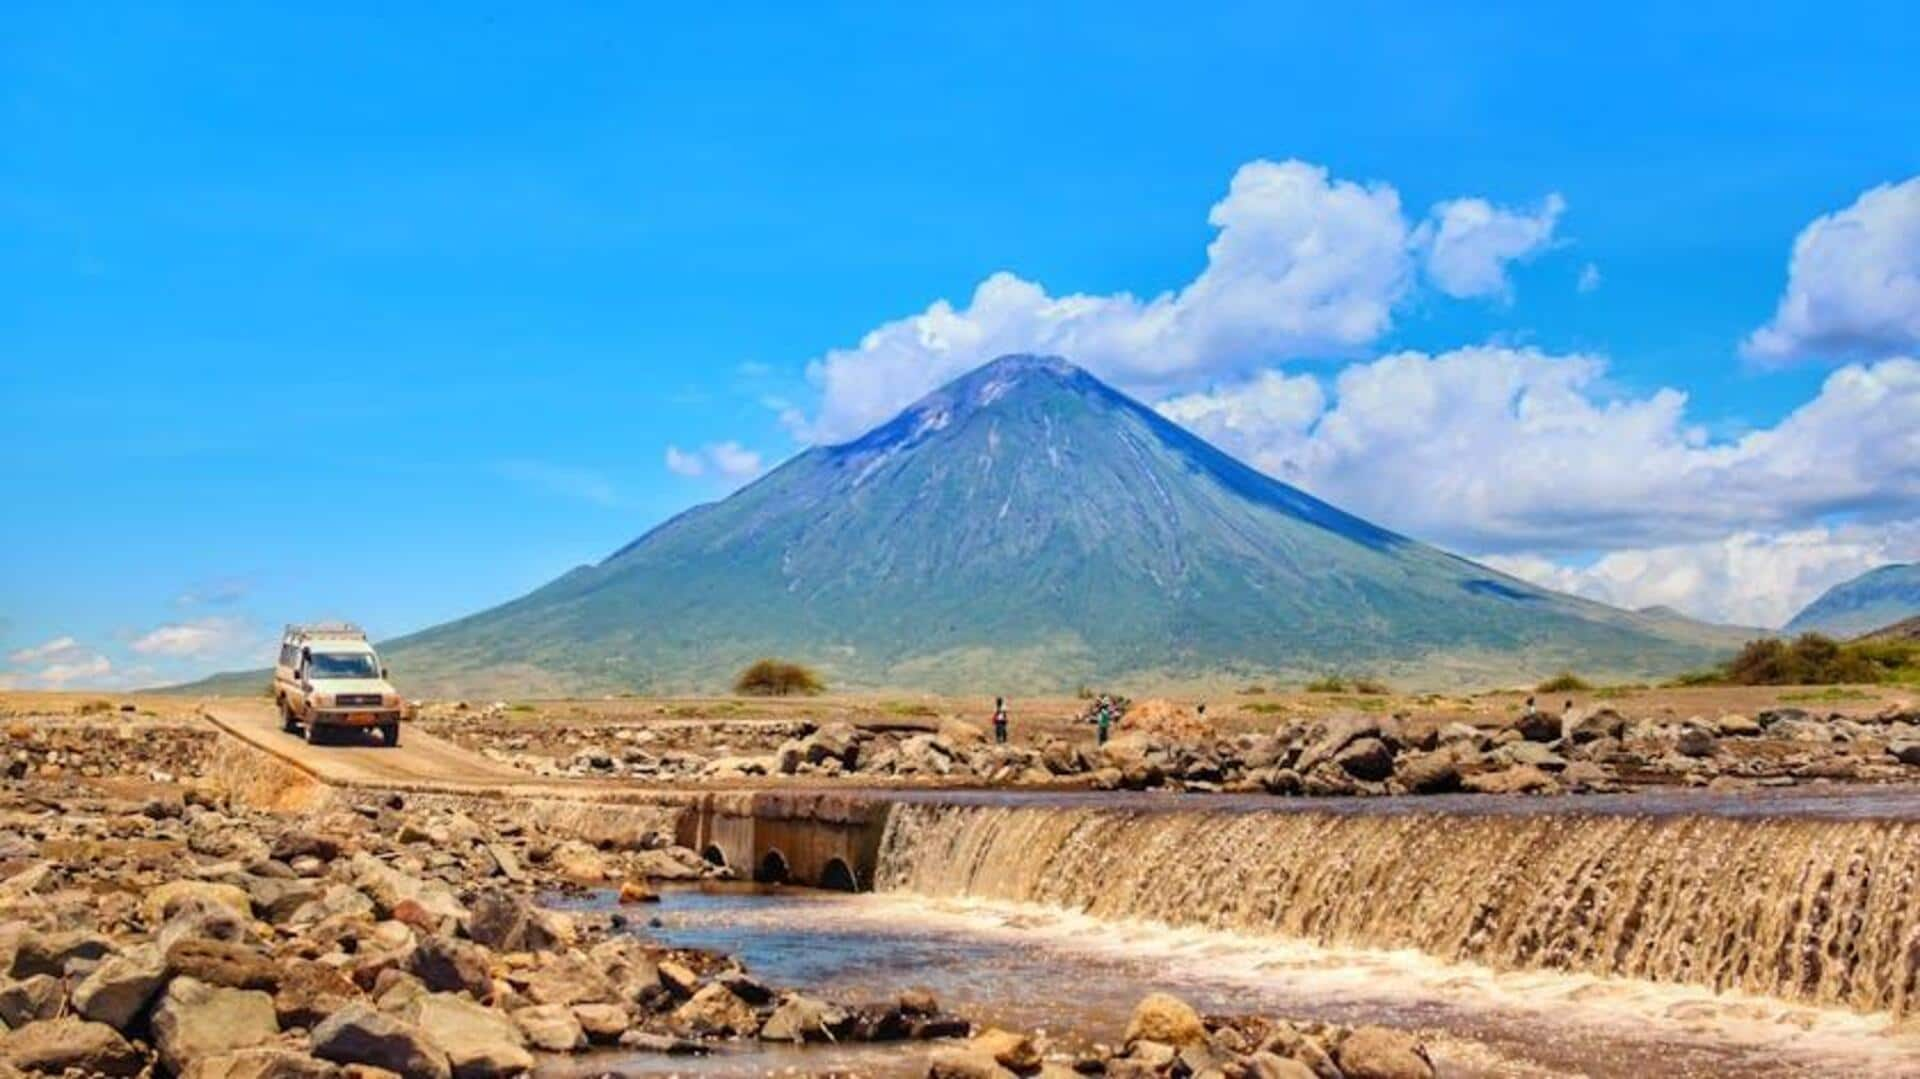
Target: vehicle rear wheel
392, 733
315, 733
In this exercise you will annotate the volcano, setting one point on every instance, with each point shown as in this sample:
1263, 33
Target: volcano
1028, 528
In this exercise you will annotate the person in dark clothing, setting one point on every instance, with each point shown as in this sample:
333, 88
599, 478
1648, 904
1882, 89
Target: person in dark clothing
1103, 718
1000, 720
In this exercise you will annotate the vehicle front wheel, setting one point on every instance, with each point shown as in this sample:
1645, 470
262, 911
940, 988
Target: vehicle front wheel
392, 733
287, 721
314, 733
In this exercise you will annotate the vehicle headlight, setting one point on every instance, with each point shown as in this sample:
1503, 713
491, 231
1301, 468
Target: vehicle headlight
321, 700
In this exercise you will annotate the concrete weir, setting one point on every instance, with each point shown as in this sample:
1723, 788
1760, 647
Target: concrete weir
820, 838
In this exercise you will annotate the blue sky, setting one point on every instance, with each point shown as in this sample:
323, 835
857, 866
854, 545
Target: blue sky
394, 316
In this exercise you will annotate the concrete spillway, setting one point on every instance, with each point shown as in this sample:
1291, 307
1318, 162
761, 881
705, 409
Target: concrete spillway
1823, 911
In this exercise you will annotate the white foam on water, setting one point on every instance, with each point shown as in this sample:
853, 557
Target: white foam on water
1590, 1015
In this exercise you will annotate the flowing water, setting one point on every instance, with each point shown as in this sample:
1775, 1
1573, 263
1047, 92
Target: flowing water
1530, 943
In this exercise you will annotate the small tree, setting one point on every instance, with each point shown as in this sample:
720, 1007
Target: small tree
1564, 682
777, 678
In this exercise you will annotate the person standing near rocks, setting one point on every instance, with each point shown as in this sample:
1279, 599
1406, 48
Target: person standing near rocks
1000, 720
1103, 718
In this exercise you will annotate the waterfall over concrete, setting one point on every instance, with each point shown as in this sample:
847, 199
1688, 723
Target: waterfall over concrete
1819, 911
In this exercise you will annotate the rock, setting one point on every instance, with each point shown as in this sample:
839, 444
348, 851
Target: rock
1166, 1019
358, 1034
296, 843
1366, 758
1428, 773
1015, 1052
1735, 725
310, 992
800, 1018
446, 965
603, 1023
968, 1063
1461, 734
121, 987
1265, 1065
388, 888
633, 891
223, 963
1531, 754
1539, 727
56, 1046
49, 953
194, 1020
567, 979
1695, 739
677, 978
263, 1062
1380, 1053
1593, 724
1519, 779
577, 862
1905, 752
507, 922
174, 897
715, 1010
39, 997
552, 1028
674, 863
480, 1043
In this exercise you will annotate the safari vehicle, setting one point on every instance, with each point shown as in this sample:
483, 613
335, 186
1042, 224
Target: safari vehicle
328, 677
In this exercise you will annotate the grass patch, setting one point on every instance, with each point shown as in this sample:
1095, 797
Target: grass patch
1614, 693
1263, 708
778, 678
1363, 704
1831, 693
521, 708
1564, 682
1251, 691
94, 707
908, 708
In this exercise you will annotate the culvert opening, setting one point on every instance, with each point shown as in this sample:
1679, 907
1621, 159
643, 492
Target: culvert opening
838, 877
772, 868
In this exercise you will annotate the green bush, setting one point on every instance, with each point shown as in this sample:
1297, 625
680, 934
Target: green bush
1813, 660
777, 678
1332, 683
1564, 682
1371, 687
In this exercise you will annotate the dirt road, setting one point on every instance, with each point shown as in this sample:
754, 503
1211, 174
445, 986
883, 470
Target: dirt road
421, 760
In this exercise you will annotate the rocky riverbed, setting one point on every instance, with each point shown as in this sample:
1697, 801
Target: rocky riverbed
150, 924
1592, 749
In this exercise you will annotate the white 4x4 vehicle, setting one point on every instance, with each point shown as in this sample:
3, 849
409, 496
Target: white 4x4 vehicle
329, 676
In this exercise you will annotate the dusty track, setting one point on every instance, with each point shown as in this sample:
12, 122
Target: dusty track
420, 763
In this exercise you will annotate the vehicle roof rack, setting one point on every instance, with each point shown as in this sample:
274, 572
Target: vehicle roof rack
322, 630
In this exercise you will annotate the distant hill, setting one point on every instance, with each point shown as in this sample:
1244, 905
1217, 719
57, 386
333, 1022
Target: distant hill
1876, 598
1027, 528
1907, 629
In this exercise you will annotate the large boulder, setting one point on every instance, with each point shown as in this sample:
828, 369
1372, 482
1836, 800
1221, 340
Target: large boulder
1015, 1052
175, 897
1436, 772
800, 1018
507, 922
480, 1043
1166, 1019
194, 1020
965, 1063
551, 1027
1539, 726
389, 889
310, 992
121, 987
1380, 1053
716, 1010
1593, 724
42, 996
1519, 779
566, 979
222, 962
447, 965
1367, 759
358, 1034
56, 1046
263, 1062
49, 953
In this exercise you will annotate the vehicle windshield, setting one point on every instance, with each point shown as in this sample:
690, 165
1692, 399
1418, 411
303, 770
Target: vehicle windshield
343, 665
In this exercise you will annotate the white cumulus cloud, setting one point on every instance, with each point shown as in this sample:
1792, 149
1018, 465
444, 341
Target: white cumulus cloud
1502, 450
1301, 264
201, 638
1853, 286
727, 460
1747, 578
56, 664
1469, 243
